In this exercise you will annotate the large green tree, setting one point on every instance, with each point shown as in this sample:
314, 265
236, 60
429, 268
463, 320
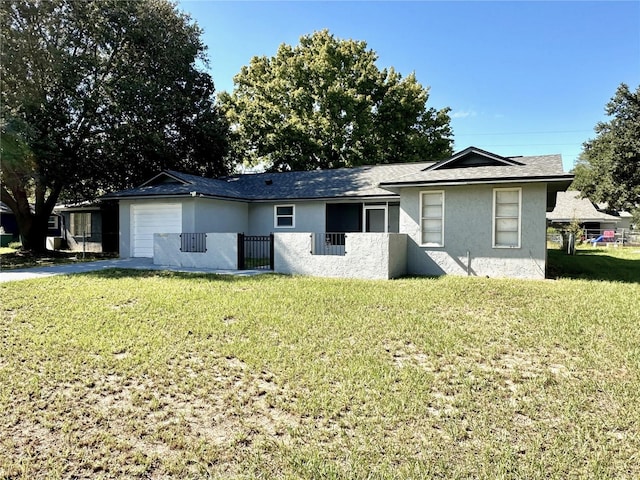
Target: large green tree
608, 169
325, 104
98, 95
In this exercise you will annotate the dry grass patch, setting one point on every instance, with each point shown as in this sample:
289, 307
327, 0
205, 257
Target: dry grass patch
158, 375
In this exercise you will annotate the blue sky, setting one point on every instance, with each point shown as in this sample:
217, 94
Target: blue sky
521, 78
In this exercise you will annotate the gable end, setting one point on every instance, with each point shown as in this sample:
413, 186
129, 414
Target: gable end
473, 157
165, 178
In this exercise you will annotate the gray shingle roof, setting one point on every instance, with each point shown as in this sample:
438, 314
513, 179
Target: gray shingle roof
570, 206
358, 182
532, 168
314, 184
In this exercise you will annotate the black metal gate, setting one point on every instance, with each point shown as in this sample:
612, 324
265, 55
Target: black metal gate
255, 252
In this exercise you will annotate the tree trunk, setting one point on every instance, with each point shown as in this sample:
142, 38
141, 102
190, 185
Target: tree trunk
33, 232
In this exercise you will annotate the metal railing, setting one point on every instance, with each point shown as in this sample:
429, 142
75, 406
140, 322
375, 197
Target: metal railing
255, 252
328, 243
193, 242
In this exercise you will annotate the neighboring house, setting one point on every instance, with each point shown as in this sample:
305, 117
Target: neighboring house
475, 213
89, 226
8, 220
11, 231
570, 206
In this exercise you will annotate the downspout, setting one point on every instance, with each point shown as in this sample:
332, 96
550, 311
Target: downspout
468, 263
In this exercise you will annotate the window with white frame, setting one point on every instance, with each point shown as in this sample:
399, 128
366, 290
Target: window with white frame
507, 204
284, 216
432, 218
80, 224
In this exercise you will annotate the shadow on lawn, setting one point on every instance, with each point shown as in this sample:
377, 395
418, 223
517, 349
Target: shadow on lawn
592, 265
116, 273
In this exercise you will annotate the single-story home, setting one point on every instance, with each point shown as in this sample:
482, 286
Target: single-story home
571, 206
475, 213
91, 226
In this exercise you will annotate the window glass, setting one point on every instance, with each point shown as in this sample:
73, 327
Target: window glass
432, 218
506, 222
284, 215
81, 224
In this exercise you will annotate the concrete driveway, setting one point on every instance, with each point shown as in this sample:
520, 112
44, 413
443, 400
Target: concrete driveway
132, 263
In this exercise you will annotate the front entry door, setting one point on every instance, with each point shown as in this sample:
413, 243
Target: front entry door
375, 219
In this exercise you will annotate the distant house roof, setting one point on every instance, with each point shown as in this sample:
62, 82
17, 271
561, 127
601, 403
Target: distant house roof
470, 166
4, 208
570, 206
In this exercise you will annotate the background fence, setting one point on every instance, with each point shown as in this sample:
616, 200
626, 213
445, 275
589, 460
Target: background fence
605, 236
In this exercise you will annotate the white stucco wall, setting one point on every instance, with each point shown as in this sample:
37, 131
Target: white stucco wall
368, 256
468, 234
222, 251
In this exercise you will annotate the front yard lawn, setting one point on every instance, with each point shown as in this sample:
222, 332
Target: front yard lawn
12, 259
159, 375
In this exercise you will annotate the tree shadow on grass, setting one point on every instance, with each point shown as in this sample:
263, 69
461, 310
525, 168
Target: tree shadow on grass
117, 273
592, 265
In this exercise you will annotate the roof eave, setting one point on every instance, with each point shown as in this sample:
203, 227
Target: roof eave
490, 181
251, 200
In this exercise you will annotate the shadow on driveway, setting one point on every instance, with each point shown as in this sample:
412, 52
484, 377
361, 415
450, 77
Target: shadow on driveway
117, 263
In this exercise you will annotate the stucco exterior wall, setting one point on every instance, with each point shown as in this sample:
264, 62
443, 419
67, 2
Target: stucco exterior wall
468, 216
124, 219
222, 251
199, 215
220, 216
397, 255
368, 256
309, 217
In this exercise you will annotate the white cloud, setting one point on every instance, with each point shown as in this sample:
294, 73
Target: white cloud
464, 114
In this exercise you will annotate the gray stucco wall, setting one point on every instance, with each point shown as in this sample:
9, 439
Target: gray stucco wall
309, 217
199, 215
222, 251
124, 214
368, 256
468, 228
220, 216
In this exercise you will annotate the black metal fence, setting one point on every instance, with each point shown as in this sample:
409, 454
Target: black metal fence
328, 243
193, 242
255, 252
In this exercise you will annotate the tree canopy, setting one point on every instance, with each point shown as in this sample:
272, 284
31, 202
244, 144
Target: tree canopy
97, 96
608, 169
325, 104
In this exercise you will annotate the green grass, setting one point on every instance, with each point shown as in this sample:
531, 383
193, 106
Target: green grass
610, 264
11, 258
159, 375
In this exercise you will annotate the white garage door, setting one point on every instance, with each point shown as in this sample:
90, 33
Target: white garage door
148, 219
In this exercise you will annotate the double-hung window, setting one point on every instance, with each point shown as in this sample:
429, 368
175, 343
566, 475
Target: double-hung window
507, 208
432, 218
284, 216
